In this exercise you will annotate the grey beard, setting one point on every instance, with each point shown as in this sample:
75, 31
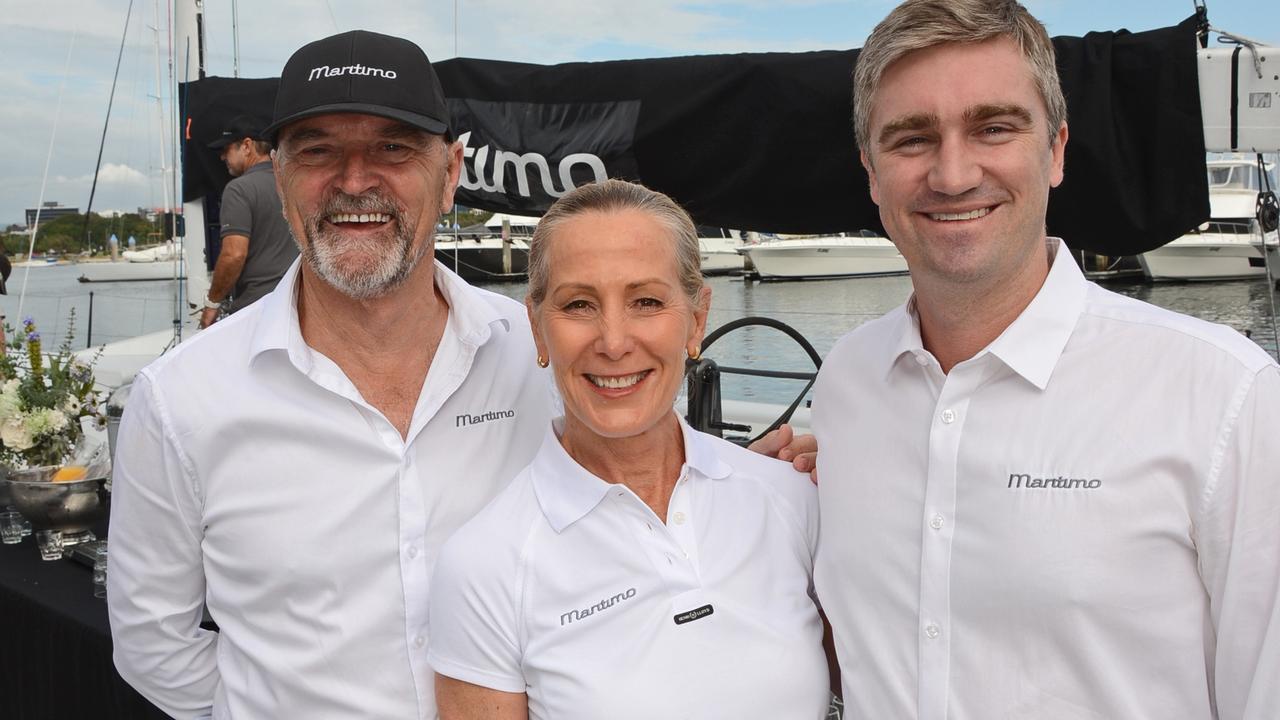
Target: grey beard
394, 258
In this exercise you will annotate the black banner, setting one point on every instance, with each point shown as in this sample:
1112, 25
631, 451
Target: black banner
763, 141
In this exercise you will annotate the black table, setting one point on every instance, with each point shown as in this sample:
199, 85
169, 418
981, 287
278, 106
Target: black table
55, 644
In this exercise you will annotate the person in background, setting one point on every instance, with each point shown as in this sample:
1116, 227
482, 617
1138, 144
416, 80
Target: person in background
257, 248
637, 568
1039, 499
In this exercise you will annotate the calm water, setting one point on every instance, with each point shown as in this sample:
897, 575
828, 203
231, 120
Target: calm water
820, 310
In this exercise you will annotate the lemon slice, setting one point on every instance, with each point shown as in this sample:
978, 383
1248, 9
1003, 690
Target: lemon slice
70, 473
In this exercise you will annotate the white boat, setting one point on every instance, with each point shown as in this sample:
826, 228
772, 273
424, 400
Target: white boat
827, 256
1228, 246
719, 251
162, 262
485, 254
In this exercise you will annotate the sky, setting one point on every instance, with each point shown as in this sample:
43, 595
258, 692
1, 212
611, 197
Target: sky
57, 58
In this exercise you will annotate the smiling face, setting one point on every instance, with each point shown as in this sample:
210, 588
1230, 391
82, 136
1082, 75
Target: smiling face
615, 322
961, 164
362, 195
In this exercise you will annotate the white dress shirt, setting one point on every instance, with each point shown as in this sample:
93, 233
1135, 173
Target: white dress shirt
252, 475
571, 589
1081, 521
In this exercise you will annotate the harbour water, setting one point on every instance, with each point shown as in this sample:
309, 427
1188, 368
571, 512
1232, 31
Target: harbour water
820, 310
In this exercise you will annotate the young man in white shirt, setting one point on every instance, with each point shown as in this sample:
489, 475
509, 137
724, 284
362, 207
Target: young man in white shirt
1039, 498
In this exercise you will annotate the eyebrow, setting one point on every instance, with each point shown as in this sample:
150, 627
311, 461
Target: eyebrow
398, 131
576, 287
977, 113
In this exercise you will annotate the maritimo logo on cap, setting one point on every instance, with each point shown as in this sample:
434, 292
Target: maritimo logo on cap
326, 71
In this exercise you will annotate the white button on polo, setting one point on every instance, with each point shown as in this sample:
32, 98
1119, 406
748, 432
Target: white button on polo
948, 416
419, 641
932, 631
413, 552
679, 518
921, 359
935, 522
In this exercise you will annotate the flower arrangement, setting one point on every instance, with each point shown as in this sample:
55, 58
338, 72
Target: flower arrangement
43, 400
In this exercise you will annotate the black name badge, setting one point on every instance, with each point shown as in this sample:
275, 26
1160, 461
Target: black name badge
695, 614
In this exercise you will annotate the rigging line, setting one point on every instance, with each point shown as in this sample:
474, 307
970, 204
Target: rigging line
235, 42
332, 18
44, 182
102, 144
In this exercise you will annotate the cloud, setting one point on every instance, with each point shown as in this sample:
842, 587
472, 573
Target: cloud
112, 173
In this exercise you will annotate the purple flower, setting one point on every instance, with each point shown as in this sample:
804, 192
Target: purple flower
33, 337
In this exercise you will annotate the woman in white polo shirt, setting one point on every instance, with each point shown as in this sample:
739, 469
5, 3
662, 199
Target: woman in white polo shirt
637, 568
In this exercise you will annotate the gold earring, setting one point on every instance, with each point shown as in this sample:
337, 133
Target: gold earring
695, 354
542, 362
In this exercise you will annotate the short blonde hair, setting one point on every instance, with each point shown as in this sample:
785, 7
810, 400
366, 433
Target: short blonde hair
613, 195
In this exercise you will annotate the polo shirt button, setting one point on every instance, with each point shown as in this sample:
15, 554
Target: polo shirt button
679, 517
921, 359
413, 552
935, 522
948, 416
419, 641
932, 631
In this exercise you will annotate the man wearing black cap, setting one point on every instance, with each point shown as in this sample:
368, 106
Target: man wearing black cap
256, 247
298, 469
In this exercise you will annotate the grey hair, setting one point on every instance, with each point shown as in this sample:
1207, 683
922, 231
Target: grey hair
922, 24
614, 195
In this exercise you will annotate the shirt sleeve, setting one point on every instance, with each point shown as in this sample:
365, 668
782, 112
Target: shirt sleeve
235, 214
1238, 542
472, 616
155, 581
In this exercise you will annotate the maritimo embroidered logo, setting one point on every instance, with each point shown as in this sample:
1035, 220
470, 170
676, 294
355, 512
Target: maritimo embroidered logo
1020, 481
605, 604
357, 69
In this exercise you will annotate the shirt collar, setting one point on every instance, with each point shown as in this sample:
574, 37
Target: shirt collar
1032, 343
471, 316
566, 491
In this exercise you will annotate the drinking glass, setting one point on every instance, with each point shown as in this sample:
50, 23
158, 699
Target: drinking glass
100, 571
10, 527
50, 542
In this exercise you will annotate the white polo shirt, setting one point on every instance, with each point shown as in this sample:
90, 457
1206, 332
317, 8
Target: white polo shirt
251, 473
1081, 521
570, 589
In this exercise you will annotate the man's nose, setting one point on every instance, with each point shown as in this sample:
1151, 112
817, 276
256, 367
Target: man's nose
356, 174
956, 169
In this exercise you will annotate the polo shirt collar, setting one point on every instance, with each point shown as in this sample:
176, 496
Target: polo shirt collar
471, 317
566, 491
1032, 344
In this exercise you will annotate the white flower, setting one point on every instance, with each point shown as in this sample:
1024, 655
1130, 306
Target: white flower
45, 421
15, 435
10, 403
72, 405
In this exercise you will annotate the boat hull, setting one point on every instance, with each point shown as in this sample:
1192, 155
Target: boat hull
130, 271
1204, 258
484, 260
796, 259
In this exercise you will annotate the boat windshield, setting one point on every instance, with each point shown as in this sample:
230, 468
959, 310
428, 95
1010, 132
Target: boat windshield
1240, 176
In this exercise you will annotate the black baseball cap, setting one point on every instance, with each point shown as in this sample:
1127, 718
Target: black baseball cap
360, 72
240, 127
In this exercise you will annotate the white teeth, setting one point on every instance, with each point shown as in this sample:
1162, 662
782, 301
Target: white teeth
617, 383
353, 218
971, 215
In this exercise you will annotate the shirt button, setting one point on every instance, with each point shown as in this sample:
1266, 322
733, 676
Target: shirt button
679, 517
921, 359
419, 641
935, 522
413, 552
948, 416
932, 631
